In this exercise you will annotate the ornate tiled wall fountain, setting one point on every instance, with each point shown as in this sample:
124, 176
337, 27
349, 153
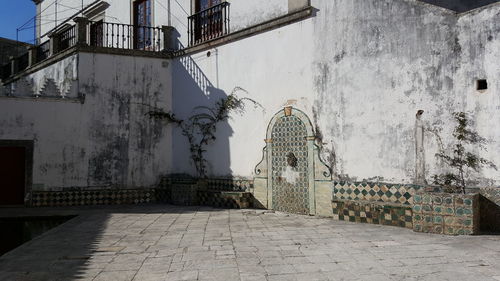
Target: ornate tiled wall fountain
291, 176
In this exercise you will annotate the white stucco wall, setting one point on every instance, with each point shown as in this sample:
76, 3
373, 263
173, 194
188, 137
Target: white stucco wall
243, 13
106, 141
361, 70
479, 38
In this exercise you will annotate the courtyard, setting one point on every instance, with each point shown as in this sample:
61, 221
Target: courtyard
164, 242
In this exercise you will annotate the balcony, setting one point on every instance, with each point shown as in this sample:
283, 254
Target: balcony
209, 24
88, 36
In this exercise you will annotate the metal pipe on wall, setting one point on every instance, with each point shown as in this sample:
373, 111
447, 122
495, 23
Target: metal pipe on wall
55, 14
169, 13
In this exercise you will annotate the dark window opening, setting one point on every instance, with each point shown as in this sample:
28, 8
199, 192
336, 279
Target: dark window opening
482, 84
142, 20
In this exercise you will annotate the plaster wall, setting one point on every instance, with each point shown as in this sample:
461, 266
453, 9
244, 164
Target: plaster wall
165, 12
63, 73
479, 38
54, 80
361, 70
108, 140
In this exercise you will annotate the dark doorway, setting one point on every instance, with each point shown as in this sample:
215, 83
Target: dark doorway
142, 24
205, 4
12, 175
97, 34
210, 19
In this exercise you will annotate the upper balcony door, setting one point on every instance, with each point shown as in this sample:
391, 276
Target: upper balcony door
142, 20
205, 4
208, 20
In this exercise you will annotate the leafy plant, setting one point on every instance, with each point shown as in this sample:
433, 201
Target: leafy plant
461, 160
200, 129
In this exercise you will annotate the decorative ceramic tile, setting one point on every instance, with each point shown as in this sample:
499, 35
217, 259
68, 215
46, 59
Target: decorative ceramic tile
290, 155
444, 213
230, 184
231, 200
372, 212
388, 193
92, 197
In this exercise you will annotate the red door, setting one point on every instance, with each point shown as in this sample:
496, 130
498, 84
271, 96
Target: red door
12, 175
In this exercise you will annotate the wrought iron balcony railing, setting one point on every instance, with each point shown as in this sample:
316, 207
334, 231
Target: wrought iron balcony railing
87, 33
43, 51
209, 24
125, 36
67, 38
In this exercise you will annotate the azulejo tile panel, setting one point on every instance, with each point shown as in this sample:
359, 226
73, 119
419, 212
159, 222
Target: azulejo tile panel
372, 212
445, 213
181, 191
230, 184
377, 192
215, 192
290, 156
231, 200
92, 197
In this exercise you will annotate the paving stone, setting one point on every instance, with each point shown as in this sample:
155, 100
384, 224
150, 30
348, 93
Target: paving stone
182, 275
279, 269
252, 277
116, 275
162, 242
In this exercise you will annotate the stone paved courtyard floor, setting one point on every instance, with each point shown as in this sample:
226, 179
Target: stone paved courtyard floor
163, 242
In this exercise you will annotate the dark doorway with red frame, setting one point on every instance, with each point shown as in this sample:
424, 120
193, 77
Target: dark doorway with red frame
15, 171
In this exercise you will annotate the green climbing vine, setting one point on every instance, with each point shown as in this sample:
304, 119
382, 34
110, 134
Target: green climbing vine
200, 129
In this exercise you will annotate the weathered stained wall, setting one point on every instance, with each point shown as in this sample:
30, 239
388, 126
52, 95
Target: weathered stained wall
106, 141
376, 63
479, 38
361, 70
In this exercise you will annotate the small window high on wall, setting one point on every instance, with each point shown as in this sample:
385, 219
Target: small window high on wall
142, 22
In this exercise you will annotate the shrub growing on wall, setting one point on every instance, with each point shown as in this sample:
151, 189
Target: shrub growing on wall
462, 159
